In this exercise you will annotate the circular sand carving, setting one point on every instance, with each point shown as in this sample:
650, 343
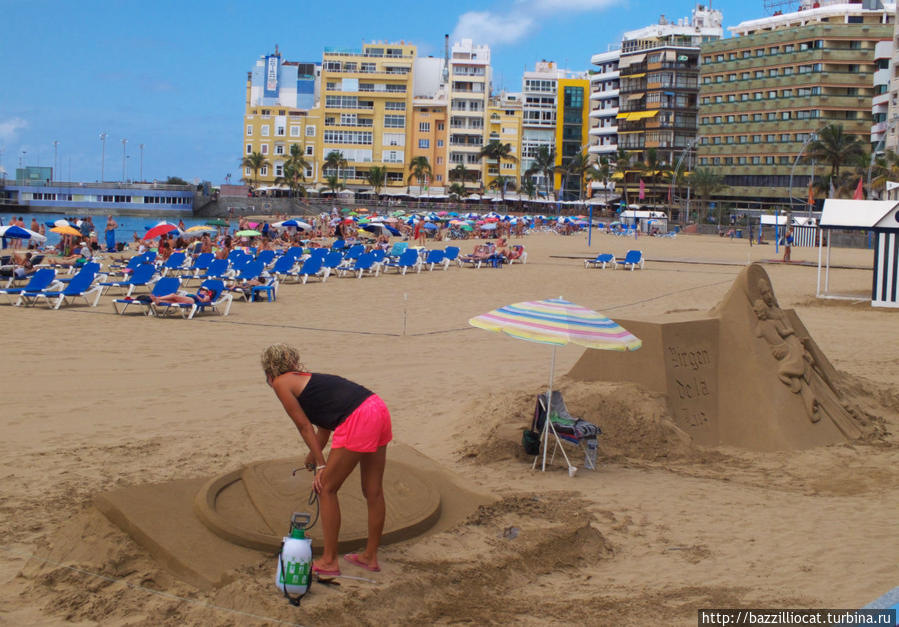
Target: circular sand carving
252, 506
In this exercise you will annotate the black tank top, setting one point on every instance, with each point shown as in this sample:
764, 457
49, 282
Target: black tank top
328, 399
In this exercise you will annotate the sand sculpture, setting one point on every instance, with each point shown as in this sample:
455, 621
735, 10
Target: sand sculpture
202, 529
748, 374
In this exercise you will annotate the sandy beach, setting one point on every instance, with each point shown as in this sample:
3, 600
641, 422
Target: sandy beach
94, 401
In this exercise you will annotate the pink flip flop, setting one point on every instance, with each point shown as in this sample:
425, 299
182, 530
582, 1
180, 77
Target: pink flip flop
353, 558
321, 572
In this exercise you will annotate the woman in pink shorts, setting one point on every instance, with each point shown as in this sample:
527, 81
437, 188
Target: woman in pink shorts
322, 404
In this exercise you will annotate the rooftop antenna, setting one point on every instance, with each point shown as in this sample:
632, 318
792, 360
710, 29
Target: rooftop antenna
446, 58
780, 6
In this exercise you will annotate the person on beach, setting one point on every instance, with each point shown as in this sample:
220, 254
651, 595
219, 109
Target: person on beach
322, 404
788, 243
202, 297
109, 234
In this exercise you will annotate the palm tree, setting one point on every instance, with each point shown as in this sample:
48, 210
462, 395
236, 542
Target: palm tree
622, 165
377, 176
835, 148
501, 183
706, 182
335, 160
545, 164
255, 161
459, 173
600, 171
886, 168
294, 171
419, 168
576, 167
457, 191
334, 183
528, 187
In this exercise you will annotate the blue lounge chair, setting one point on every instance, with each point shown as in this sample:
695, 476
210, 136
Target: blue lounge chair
220, 302
198, 267
633, 258
284, 267
164, 287
332, 261
218, 269
80, 286
310, 268
176, 261
338, 244
142, 276
600, 262
433, 258
269, 288
251, 270
409, 259
365, 263
41, 280
397, 249
266, 257
451, 254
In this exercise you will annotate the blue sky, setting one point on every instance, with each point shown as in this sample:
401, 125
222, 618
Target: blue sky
171, 75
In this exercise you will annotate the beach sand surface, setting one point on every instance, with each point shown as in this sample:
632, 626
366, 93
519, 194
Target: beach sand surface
94, 401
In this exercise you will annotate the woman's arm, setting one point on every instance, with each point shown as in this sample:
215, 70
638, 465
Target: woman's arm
307, 431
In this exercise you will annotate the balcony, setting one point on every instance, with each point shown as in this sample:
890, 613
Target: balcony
604, 113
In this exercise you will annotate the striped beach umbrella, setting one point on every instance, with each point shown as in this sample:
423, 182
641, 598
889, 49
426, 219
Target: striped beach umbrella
557, 322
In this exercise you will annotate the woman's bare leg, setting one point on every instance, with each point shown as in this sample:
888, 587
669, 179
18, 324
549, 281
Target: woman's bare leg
372, 470
340, 464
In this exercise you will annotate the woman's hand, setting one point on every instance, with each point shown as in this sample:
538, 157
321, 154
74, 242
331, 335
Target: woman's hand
310, 461
317, 481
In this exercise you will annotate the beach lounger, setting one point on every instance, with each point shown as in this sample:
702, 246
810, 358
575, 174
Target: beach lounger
220, 302
451, 254
633, 258
164, 286
517, 254
365, 263
285, 266
266, 257
332, 261
408, 260
142, 276
310, 268
270, 289
601, 261
338, 244
433, 258
41, 280
569, 428
198, 267
176, 261
80, 286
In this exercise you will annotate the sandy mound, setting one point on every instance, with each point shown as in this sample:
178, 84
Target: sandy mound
635, 423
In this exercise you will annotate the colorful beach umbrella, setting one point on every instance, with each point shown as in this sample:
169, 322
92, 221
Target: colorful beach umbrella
66, 230
195, 229
248, 233
160, 229
216, 222
557, 322
17, 232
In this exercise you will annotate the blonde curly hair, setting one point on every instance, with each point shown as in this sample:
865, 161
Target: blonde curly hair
280, 358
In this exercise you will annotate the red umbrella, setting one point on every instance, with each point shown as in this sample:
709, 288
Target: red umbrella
160, 229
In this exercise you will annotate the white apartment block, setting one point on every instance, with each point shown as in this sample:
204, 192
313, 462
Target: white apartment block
604, 85
880, 103
469, 93
892, 132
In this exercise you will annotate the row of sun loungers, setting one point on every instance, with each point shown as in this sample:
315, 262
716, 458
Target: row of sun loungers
632, 260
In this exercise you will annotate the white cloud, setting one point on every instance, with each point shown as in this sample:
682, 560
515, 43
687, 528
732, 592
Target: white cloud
9, 128
486, 27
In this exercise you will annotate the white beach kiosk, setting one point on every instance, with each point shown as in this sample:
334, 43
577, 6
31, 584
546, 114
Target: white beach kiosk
879, 216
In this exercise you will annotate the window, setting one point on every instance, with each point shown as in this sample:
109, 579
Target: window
747, 54
728, 160
249, 130
310, 150
760, 73
394, 121
264, 149
756, 139
310, 130
719, 58
769, 160
439, 126
773, 50
757, 117
772, 116
729, 139
786, 93
760, 52
743, 139
279, 169
731, 98
788, 71
757, 95
785, 115
770, 139
744, 117
741, 160
439, 162
246, 171
789, 48
731, 118
294, 131
394, 106
716, 141
706, 100
719, 78
424, 127
424, 143
732, 56
745, 76
263, 171
279, 131
279, 149
756, 161
265, 129
773, 72
744, 97
717, 119
249, 149
772, 94
785, 137
719, 99
439, 178
439, 144
731, 77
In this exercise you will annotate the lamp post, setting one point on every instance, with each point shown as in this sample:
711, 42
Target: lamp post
55, 144
102, 154
124, 144
690, 146
141, 176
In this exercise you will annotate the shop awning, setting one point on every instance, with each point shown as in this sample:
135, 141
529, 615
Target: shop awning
640, 75
636, 96
622, 116
630, 60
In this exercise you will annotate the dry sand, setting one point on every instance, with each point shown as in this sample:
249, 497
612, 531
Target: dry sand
94, 401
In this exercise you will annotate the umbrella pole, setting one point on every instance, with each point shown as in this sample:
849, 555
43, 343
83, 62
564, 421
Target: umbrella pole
548, 423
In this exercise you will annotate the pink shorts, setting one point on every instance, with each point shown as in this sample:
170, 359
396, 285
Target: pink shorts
365, 430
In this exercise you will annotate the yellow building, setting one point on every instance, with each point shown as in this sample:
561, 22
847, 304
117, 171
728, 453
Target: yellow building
504, 116
366, 111
280, 112
428, 139
572, 132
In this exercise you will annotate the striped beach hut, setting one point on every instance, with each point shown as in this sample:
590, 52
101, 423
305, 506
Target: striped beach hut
882, 218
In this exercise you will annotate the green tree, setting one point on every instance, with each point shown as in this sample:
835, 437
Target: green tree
334, 183
377, 177
501, 184
294, 172
576, 167
457, 191
176, 180
835, 148
420, 169
545, 164
335, 160
600, 172
706, 182
528, 187
255, 161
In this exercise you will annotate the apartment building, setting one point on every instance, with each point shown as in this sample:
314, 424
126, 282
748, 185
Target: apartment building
572, 134
469, 82
892, 132
658, 95
776, 82
504, 115
366, 110
604, 83
280, 112
429, 122
880, 102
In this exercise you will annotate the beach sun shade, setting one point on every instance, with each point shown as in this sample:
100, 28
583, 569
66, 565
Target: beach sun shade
297, 224
66, 230
217, 222
557, 322
159, 229
17, 232
248, 233
195, 229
